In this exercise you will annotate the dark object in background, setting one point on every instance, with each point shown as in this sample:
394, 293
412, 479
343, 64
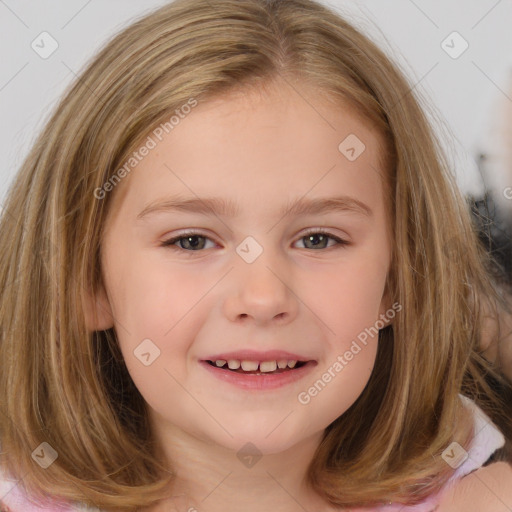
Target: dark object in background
495, 233
494, 228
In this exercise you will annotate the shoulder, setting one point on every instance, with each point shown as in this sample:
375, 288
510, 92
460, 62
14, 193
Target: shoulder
488, 489
14, 499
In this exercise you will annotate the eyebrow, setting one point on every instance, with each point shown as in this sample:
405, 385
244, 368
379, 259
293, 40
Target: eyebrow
227, 208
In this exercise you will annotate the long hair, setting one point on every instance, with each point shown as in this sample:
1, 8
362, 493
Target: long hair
69, 388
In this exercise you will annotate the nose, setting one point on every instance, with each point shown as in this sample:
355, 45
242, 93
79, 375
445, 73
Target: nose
262, 292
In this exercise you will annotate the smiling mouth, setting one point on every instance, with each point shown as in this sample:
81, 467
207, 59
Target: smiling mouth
266, 368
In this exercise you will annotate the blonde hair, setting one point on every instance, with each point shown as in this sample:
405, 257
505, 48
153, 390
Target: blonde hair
68, 387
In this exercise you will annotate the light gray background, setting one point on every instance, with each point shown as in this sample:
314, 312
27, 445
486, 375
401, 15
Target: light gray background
468, 95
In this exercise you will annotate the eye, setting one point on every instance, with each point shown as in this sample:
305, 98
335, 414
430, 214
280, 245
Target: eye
194, 242
316, 238
187, 241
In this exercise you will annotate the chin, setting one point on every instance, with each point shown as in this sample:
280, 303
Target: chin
261, 438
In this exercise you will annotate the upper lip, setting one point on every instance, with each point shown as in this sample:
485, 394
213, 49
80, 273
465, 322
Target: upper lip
253, 355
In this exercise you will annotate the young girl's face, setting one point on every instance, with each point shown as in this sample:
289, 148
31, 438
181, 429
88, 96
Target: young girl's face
255, 277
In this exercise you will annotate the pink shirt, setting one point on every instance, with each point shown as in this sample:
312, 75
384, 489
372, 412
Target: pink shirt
486, 441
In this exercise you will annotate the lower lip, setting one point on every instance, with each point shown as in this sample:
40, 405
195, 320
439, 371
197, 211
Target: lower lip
260, 382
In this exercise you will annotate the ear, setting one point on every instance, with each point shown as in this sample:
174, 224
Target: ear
97, 310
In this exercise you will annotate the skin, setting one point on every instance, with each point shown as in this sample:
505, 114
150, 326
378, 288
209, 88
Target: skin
279, 146
488, 489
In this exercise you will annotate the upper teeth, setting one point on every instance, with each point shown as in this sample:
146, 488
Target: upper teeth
248, 366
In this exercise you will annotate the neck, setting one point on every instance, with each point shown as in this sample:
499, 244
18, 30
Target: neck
213, 478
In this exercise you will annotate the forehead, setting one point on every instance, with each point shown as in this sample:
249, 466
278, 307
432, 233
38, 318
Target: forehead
281, 140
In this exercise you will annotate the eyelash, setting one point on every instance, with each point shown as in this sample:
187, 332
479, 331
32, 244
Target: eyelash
169, 244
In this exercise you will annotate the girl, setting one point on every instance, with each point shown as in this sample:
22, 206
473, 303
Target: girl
237, 274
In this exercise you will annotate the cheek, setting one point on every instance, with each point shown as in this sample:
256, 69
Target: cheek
346, 300
151, 297
156, 319
339, 381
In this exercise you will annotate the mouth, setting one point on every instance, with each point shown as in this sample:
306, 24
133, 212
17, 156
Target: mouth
258, 368
258, 372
